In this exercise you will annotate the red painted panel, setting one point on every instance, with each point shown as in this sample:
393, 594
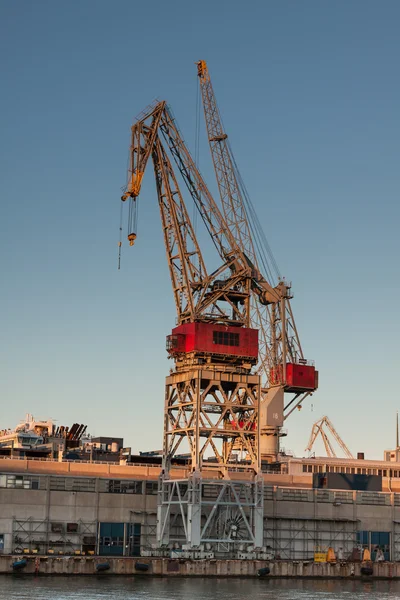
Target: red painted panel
201, 337
301, 376
275, 375
298, 377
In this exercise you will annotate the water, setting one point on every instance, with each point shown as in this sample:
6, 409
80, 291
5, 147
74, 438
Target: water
13, 587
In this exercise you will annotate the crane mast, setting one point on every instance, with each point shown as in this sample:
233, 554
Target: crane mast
212, 397
282, 365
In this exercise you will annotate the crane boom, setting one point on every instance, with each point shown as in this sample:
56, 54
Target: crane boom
281, 339
223, 295
281, 353
187, 269
229, 188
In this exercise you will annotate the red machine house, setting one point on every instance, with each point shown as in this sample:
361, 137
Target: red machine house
300, 376
213, 339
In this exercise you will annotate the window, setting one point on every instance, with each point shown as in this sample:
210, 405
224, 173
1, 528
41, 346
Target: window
309, 468
81, 484
133, 487
304, 468
175, 342
19, 481
151, 487
225, 338
115, 486
57, 483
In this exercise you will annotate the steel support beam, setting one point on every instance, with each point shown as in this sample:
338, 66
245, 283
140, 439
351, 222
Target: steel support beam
210, 412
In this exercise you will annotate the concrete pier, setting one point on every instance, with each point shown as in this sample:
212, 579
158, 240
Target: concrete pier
164, 567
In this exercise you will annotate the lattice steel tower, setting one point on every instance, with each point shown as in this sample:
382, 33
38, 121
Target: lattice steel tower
212, 397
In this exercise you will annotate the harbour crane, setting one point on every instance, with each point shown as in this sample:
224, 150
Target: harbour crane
318, 430
234, 326
282, 365
212, 397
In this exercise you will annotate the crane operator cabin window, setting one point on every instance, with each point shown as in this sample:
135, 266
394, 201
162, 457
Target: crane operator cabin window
225, 338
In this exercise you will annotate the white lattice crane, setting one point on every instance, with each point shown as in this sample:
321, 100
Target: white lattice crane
318, 429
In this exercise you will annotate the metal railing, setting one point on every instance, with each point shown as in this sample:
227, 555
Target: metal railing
80, 462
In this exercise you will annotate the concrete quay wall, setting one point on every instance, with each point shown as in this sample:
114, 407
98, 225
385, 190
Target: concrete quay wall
66, 514
164, 567
296, 520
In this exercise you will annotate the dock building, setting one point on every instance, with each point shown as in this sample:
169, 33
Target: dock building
60, 507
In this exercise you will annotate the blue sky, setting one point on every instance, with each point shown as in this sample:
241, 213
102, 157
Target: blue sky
310, 96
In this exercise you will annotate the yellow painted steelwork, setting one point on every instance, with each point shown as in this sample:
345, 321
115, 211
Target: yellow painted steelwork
132, 238
135, 183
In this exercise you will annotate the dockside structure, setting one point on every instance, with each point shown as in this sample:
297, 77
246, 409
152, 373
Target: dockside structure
50, 507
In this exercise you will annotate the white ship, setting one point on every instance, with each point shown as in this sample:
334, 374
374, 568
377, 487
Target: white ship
28, 434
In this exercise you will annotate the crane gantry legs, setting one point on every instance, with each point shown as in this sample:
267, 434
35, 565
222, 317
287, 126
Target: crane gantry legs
207, 411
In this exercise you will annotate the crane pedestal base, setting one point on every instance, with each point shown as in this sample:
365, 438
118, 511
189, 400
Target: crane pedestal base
213, 516
211, 415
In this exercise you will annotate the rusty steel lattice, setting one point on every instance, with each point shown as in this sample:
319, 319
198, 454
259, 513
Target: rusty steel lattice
207, 412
